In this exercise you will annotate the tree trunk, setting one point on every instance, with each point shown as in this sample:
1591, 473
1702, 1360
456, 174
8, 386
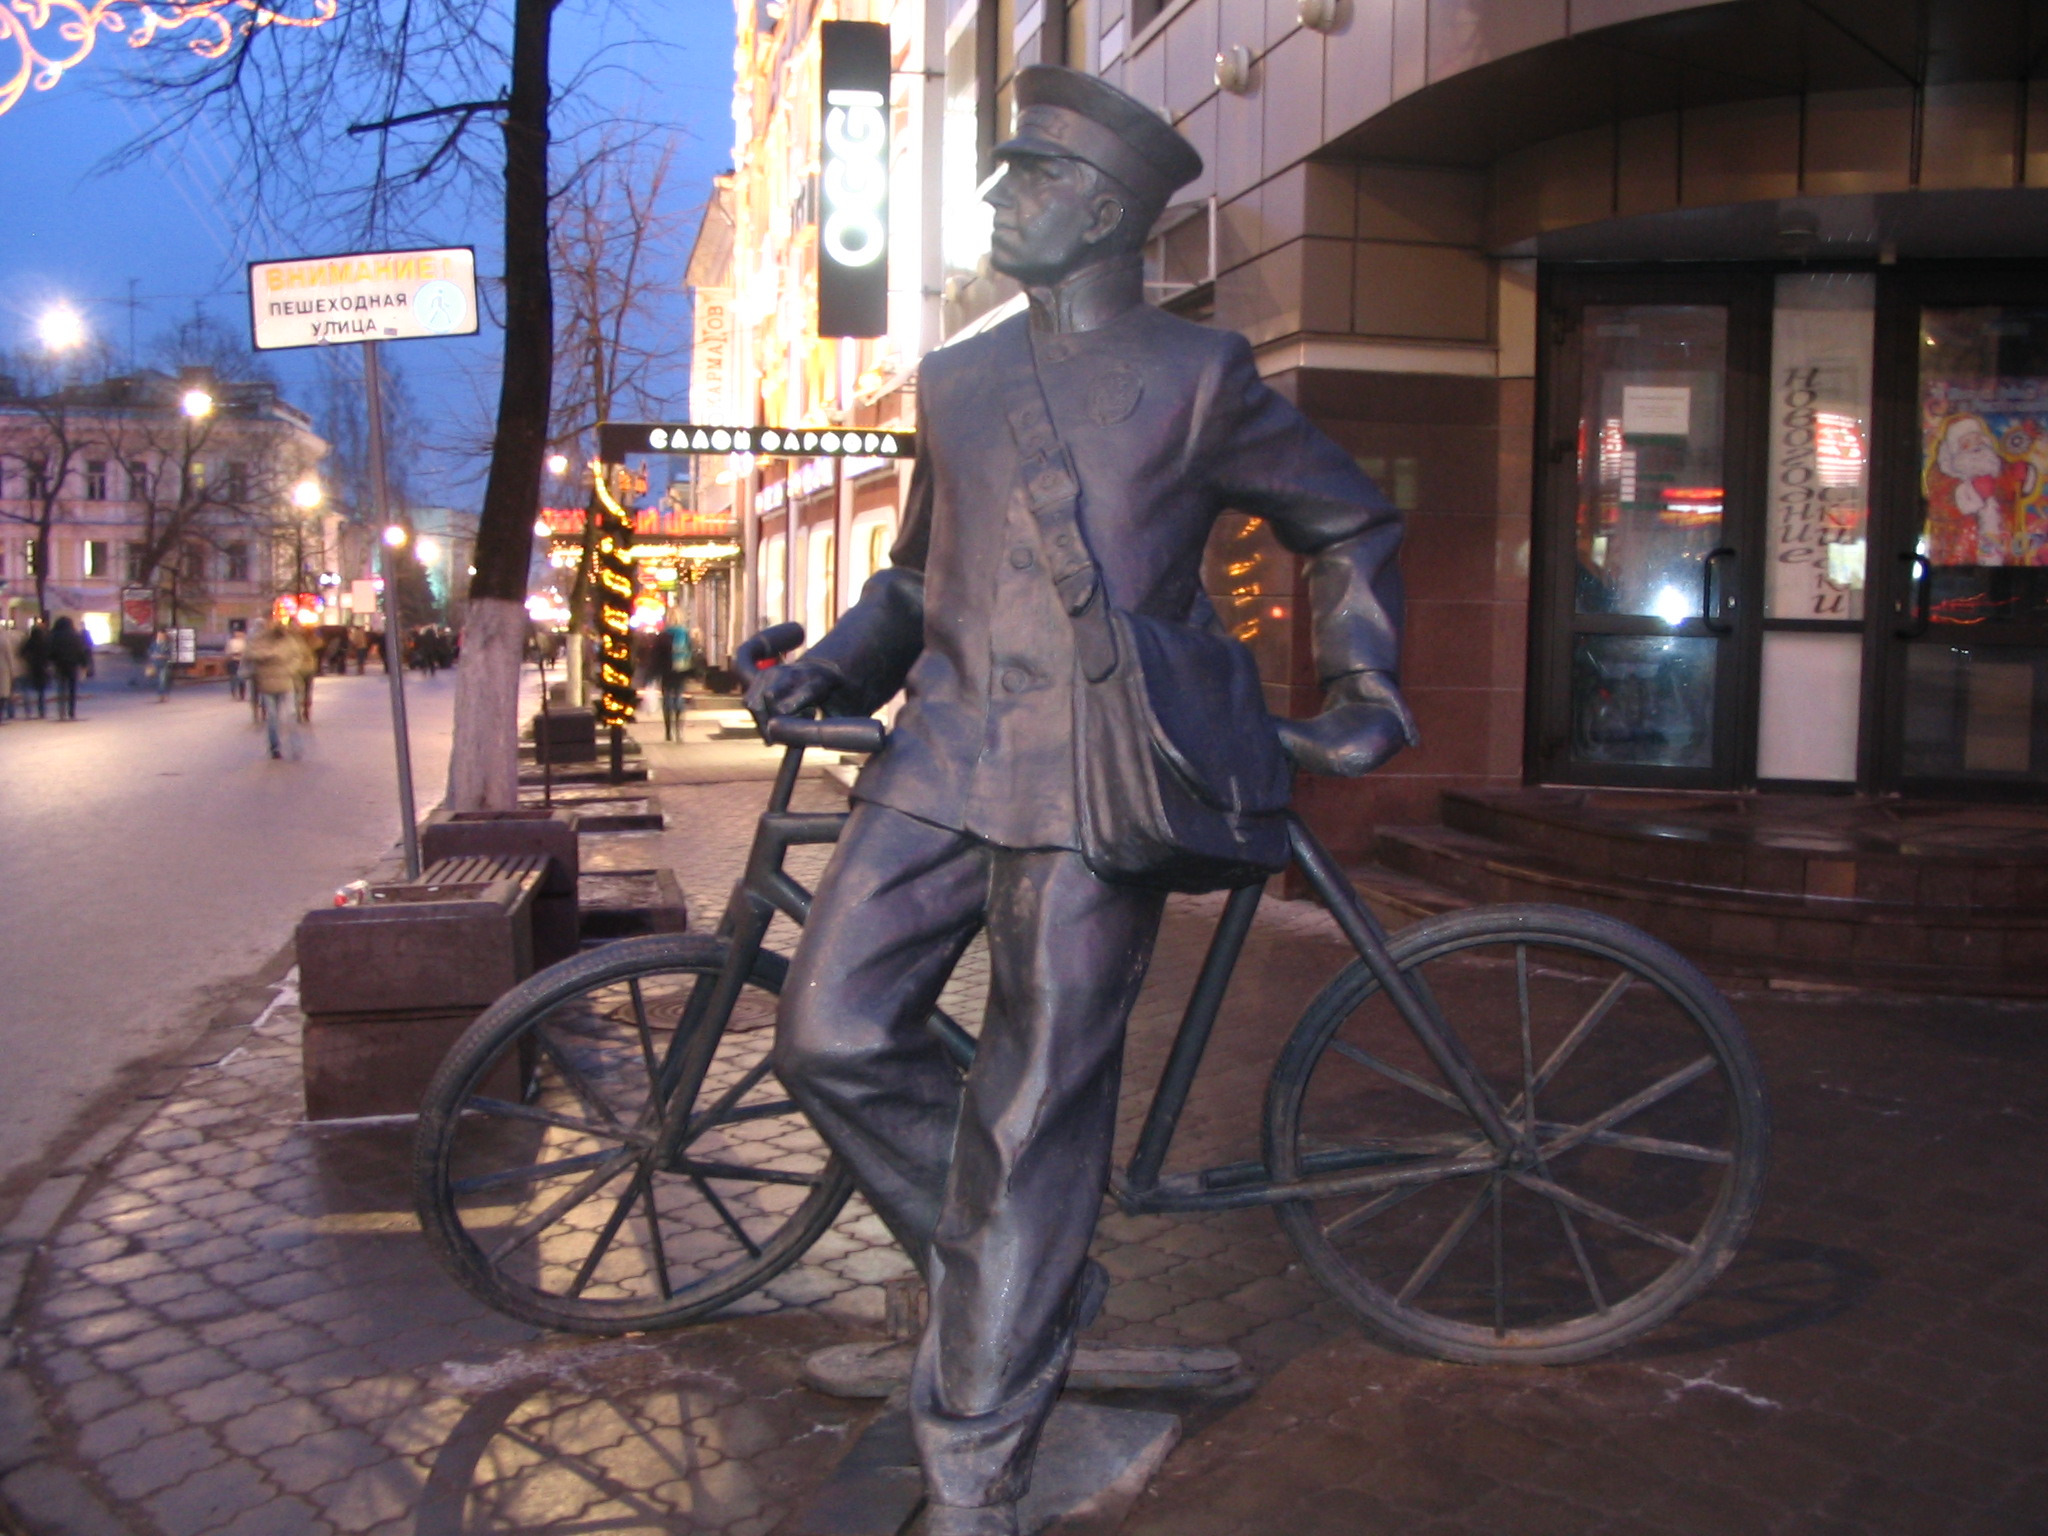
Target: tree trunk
483, 768
487, 704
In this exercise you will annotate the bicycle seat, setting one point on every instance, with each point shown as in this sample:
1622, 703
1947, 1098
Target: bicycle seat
844, 734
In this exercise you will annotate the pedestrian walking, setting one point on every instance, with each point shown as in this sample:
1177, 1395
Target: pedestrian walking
237, 646
676, 654
70, 655
35, 665
10, 670
277, 660
303, 691
162, 652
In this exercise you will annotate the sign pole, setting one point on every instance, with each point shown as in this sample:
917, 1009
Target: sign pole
373, 383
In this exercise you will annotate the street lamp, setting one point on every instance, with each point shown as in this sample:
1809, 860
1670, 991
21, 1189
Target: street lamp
307, 495
558, 463
541, 530
197, 404
395, 536
60, 328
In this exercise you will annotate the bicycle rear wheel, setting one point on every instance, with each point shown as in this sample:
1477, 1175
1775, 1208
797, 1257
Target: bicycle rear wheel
1642, 1123
537, 1167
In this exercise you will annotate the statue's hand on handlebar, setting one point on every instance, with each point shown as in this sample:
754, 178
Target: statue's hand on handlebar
1364, 723
790, 690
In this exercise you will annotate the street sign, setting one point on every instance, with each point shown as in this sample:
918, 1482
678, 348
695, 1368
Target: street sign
853, 190
616, 439
317, 301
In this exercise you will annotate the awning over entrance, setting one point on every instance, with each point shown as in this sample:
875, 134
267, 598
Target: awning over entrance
1700, 56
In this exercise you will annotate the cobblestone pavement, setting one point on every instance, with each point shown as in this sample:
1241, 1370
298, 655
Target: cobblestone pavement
238, 1330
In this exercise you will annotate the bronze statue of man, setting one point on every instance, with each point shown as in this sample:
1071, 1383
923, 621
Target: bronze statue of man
966, 819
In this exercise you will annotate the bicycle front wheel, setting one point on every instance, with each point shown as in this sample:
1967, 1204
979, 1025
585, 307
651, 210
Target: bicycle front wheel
1642, 1137
548, 1180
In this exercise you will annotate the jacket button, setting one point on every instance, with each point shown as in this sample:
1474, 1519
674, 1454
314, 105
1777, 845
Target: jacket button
1022, 559
1016, 680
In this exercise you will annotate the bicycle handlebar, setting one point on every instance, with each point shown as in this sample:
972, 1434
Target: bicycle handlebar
844, 734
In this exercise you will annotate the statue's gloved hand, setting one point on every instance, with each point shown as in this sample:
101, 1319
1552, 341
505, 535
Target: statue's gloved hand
790, 690
1364, 722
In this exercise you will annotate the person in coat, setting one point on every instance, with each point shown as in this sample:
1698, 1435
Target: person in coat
70, 656
10, 670
966, 820
277, 660
35, 665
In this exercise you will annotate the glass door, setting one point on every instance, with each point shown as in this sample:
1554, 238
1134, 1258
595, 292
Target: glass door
1649, 562
1966, 677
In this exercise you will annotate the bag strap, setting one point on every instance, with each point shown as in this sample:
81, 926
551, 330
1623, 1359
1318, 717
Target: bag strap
1052, 493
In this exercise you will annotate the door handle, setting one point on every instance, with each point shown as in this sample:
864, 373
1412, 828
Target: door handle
1712, 598
1921, 598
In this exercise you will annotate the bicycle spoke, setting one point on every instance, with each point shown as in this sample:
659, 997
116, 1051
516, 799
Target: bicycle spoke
612, 1223
1500, 1266
654, 1240
1375, 1207
1655, 1146
709, 1168
1528, 1049
1635, 1104
1594, 1211
504, 1109
646, 1037
1602, 1006
527, 1175
598, 1177
726, 1216
1571, 1235
573, 1076
1453, 1235
711, 1116
1400, 1075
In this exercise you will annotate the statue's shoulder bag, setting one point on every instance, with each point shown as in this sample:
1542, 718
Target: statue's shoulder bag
1180, 780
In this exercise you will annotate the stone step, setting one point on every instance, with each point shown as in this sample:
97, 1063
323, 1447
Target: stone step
1926, 856
1741, 933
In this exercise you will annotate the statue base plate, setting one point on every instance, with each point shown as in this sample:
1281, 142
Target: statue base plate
1093, 1462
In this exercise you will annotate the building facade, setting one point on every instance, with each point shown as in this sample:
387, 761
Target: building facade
1701, 344
189, 499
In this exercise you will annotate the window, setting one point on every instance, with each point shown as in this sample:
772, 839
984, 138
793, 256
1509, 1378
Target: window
95, 479
138, 480
138, 562
195, 479
38, 479
237, 562
31, 557
96, 557
238, 481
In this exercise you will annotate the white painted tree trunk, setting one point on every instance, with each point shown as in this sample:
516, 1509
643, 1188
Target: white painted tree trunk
483, 766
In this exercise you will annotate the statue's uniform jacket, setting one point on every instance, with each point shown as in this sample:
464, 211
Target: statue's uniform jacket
966, 824
1169, 425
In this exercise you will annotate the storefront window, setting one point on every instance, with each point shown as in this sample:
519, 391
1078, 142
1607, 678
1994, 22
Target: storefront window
1650, 457
1976, 691
1643, 700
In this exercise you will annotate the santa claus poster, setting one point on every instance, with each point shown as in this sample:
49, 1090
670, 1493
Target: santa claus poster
1984, 444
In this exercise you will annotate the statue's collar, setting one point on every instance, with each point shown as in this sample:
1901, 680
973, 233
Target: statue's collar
1091, 298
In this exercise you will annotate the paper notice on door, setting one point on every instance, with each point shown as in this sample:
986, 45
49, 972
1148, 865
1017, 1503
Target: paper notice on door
1656, 410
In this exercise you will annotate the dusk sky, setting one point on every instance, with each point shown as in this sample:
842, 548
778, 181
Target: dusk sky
173, 227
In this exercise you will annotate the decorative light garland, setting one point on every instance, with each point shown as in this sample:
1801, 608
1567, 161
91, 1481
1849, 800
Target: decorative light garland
74, 27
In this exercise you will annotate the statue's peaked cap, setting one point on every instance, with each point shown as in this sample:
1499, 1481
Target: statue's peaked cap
1066, 112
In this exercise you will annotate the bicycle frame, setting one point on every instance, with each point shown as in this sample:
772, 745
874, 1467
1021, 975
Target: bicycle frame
765, 889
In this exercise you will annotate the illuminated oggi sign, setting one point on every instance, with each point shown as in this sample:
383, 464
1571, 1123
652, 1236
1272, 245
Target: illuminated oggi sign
853, 192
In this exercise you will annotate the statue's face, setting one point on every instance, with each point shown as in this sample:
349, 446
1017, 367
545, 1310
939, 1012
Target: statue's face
1051, 215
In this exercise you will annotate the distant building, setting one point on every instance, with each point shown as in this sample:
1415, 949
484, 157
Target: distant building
196, 492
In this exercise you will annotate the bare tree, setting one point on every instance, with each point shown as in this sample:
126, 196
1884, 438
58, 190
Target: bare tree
616, 342
189, 500
51, 431
414, 76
